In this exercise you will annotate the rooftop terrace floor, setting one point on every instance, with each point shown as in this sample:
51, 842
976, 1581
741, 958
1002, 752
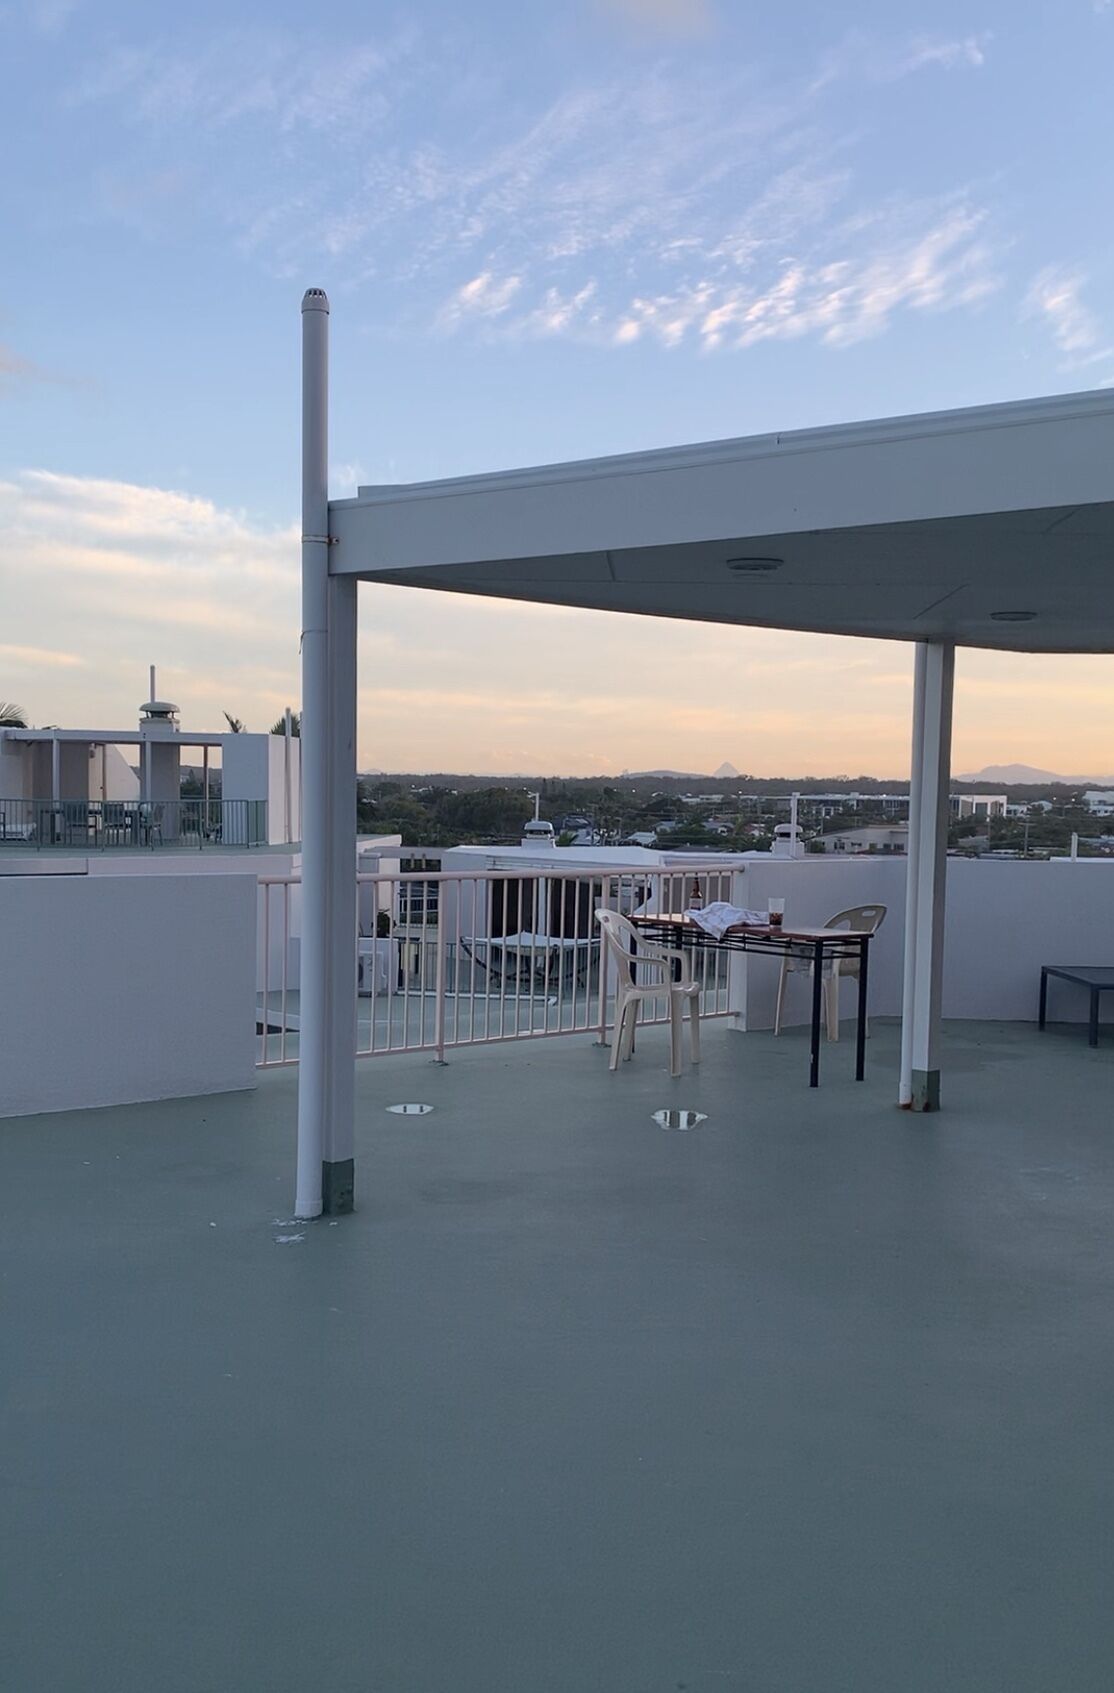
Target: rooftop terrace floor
814, 1398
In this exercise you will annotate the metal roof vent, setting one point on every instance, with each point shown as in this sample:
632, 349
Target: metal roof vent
158, 711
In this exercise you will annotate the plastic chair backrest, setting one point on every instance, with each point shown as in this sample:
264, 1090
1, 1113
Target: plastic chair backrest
621, 937
865, 918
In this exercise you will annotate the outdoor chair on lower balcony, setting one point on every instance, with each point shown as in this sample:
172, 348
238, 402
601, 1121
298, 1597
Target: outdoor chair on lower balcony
670, 976
858, 918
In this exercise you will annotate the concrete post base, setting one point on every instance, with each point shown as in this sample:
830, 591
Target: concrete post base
926, 1091
338, 1183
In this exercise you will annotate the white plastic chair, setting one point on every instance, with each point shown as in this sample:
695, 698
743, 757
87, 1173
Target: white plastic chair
866, 918
622, 938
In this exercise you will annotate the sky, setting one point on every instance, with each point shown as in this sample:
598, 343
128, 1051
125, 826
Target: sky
547, 232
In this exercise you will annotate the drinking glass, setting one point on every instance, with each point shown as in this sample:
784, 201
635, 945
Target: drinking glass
775, 912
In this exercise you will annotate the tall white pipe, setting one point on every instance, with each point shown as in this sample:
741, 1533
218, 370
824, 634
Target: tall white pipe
314, 1031
916, 791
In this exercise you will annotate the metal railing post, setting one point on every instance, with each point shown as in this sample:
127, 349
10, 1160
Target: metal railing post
439, 1001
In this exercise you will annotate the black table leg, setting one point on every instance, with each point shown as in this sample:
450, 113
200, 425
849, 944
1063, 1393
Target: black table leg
860, 1033
1044, 1000
817, 996
1093, 1035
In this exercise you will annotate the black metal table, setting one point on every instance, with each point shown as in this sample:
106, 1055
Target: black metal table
824, 946
1097, 979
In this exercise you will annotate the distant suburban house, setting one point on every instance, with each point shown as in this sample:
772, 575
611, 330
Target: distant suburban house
878, 837
979, 805
1100, 801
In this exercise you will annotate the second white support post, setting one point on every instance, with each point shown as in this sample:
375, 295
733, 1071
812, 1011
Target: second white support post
916, 787
338, 1146
927, 872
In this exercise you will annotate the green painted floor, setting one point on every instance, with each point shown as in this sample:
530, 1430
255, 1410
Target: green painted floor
815, 1398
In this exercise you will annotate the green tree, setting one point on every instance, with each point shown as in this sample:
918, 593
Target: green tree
236, 724
279, 726
12, 716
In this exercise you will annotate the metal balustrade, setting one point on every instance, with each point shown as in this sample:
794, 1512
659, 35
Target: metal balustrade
100, 824
448, 960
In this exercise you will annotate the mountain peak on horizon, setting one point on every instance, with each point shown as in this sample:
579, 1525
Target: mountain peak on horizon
725, 773
1028, 773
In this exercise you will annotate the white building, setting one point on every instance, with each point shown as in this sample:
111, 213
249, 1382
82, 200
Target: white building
123, 787
879, 837
978, 805
1099, 801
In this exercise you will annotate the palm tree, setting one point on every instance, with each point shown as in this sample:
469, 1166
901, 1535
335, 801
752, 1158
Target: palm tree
279, 726
236, 724
12, 716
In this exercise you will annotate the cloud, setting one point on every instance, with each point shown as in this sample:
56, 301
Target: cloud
35, 658
667, 17
13, 366
1055, 296
904, 258
483, 296
50, 17
697, 201
99, 578
249, 76
861, 57
967, 50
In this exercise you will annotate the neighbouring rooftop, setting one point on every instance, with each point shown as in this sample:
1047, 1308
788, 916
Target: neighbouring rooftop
813, 1396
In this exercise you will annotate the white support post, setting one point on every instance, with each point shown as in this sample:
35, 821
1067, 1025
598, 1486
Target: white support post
338, 1150
916, 788
930, 874
55, 770
314, 1038
287, 761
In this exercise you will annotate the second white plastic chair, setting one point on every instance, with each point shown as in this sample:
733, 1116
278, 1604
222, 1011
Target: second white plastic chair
862, 918
622, 939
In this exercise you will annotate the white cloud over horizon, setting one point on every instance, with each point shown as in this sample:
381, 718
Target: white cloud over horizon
102, 578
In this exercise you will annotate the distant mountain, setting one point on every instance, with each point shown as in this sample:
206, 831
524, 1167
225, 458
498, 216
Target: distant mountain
725, 773
674, 775
1005, 774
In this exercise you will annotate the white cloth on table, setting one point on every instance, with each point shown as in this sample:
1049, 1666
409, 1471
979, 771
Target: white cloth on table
717, 918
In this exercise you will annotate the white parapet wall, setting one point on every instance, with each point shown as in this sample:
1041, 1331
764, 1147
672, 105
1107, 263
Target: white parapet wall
116, 989
1005, 918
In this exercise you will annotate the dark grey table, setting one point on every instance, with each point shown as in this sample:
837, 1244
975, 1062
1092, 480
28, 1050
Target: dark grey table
677, 929
1095, 978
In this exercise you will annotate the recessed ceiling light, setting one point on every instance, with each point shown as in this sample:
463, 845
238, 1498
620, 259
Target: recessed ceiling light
1012, 616
754, 566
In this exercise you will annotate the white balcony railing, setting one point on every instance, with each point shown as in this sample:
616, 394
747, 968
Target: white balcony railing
99, 824
452, 960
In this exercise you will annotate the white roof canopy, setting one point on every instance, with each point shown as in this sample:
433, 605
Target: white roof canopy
991, 526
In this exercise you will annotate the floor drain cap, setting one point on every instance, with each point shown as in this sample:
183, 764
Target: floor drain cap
410, 1110
674, 1119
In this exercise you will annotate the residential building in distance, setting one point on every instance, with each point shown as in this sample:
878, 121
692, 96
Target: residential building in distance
125, 787
979, 805
877, 837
